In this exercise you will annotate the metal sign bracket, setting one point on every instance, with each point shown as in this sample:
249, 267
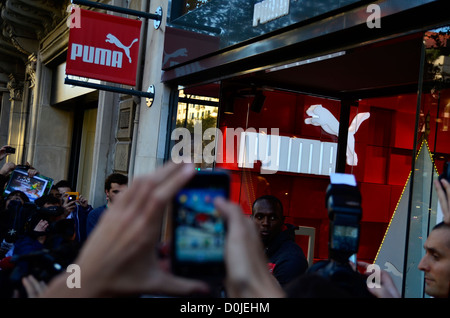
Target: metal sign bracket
157, 16
150, 94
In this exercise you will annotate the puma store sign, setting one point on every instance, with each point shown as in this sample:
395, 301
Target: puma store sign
268, 10
104, 47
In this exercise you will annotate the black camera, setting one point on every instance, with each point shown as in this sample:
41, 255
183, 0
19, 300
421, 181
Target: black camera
9, 149
343, 203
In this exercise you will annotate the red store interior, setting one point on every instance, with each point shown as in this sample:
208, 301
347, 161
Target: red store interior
388, 73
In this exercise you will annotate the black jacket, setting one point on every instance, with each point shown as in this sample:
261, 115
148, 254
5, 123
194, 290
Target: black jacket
286, 258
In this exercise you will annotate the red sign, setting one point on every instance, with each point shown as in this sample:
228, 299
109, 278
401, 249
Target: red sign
104, 47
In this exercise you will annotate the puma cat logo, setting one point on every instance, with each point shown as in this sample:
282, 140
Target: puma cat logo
321, 116
112, 39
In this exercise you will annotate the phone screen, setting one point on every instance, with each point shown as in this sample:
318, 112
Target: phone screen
199, 231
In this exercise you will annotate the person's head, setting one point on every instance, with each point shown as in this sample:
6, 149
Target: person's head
267, 213
436, 262
115, 183
47, 200
55, 192
51, 206
63, 186
16, 195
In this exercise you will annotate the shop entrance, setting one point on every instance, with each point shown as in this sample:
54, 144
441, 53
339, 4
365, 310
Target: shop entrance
363, 111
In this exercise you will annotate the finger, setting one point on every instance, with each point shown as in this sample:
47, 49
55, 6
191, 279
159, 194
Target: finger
163, 194
226, 208
442, 197
142, 203
161, 187
239, 229
233, 216
135, 197
32, 286
174, 182
446, 185
362, 264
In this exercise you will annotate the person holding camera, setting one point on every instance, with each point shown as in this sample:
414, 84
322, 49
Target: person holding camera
12, 220
443, 191
46, 247
5, 151
77, 209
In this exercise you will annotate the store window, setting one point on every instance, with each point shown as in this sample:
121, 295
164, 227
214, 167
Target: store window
306, 156
181, 7
397, 143
196, 121
433, 139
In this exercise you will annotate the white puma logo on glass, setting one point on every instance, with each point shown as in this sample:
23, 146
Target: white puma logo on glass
177, 53
321, 116
392, 269
112, 39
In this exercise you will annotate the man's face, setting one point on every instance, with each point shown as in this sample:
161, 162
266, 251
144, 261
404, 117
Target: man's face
268, 220
62, 191
55, 193
436, 263
115, 190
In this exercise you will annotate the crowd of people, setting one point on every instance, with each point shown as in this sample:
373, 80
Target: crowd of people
41, 236
119, 251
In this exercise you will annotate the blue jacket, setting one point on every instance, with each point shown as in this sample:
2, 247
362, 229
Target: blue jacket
93, 218
80, 216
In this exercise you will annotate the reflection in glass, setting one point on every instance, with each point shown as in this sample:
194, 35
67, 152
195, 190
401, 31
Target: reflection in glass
195, 114
433, 97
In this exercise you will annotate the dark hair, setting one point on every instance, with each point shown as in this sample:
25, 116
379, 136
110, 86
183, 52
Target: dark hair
115, 178
22, 195
63, 184
48, 198
274, 202
441, 225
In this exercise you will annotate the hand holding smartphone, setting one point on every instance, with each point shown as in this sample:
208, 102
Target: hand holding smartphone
9, 150
198, 230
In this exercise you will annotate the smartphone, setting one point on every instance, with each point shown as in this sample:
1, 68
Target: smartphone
72, 196
198, 230
9, 149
